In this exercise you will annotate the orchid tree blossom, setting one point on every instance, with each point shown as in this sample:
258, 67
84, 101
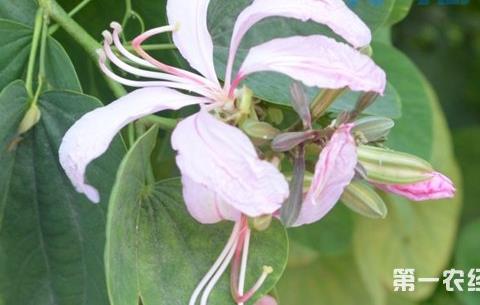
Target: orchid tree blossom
335, 170
222, 175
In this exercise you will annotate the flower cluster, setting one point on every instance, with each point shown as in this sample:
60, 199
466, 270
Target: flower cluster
223, 176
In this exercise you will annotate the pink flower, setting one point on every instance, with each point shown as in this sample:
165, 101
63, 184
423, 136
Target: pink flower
334, 171
437, 187
217, 161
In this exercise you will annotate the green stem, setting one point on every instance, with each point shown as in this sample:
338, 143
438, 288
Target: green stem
163, 123
72, 13
33, 51
41, 68
90, 45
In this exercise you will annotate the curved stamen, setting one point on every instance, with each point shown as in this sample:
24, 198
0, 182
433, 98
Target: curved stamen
134, 70
131, 83
136, 43
230, 244
217, 275
267, 270
243, 268
117, 29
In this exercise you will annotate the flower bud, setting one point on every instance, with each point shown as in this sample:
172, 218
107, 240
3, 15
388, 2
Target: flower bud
259, 130
373, 128
362, 199
301, 104
391, 167
31, 118
262, 223
287, 141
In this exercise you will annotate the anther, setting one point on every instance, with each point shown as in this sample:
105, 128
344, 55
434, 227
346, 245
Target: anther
107, 36
116, 26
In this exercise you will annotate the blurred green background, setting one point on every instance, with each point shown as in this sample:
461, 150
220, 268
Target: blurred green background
444, 42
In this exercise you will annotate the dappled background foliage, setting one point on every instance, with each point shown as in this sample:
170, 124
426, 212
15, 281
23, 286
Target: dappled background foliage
52, 239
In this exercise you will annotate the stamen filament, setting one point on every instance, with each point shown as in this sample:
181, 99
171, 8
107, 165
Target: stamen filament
208, 289
267, 270
166, 68
117, 29
133, 70
131, 83
243, 268
230, 244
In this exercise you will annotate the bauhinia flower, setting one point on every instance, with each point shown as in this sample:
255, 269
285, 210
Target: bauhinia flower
335, 170
222, 175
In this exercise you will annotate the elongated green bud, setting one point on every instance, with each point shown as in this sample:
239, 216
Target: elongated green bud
391, 167
31, 118
373, 128
259, 130
362, 199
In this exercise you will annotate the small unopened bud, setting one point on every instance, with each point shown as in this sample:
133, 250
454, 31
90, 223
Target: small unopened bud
259, 130
275, 115
367, 50
362, 199
262, 223
245, 101
373, 128
289, 140
364, 101
31, 118
301, 104
392, 167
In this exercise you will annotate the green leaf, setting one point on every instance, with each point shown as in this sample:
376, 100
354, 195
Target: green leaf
466, 258
22, 11
467, 150
413, 132
399, 11
414, 235
15, 42
163, 250
51, 237
389, 105
327, 281
330, 236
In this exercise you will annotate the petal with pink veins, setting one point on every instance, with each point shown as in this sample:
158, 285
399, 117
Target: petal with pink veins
192, 37
333, 13
222, 158
91, 135
316, 61
334, 170
205, 205
437, 187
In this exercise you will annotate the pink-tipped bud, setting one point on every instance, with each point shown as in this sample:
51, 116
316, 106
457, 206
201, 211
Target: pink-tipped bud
266, 300
437, 187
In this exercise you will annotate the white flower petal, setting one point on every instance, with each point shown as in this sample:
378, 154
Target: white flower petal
204, 205
316, 61
192, 37
90, 136
223, 159
333, 13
